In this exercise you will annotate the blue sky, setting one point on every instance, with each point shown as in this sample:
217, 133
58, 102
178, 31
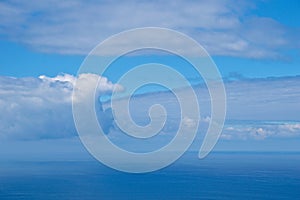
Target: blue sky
34, 38
250, 41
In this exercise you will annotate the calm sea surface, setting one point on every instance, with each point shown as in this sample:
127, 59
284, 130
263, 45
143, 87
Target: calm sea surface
219, 176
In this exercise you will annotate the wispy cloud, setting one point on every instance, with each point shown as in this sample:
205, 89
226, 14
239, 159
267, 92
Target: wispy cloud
74, 27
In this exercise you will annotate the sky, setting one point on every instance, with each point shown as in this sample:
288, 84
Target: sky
255, 45
254, 38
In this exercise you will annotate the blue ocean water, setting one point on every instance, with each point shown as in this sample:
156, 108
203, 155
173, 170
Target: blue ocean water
218, 176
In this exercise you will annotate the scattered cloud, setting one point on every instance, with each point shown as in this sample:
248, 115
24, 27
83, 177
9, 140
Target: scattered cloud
223, 27
261, 130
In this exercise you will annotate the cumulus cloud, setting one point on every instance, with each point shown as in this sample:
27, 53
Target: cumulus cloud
39, 108
87, 83
223, 27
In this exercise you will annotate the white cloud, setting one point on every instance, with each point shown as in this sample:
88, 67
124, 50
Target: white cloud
86, 83
38, 108
223, 27
261, 130
60, 78
188, 122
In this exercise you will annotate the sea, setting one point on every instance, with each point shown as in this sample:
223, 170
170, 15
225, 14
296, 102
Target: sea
221, 175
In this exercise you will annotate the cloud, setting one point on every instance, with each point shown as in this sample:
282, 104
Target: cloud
223, 27
188, 122
85, 84
261, 130
264, 99
257, 109
60, 78
40, 108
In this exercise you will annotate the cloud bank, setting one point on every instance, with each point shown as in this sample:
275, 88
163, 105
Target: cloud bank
40, 108
223, 27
